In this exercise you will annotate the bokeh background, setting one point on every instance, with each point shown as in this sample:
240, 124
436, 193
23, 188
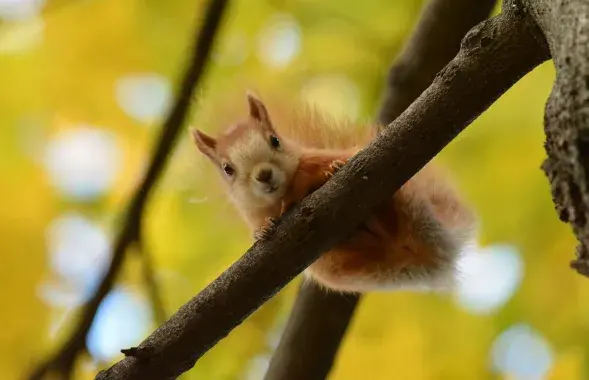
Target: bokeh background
84, 86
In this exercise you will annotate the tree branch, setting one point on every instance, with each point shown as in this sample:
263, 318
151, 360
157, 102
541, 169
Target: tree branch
565, 26
493, 56
63, 361
150, 282
318, 320
435, 41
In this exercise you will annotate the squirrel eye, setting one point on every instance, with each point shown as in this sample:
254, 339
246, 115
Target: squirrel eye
274, 142
228, 169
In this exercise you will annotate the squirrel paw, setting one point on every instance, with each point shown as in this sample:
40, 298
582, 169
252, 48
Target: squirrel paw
264, 232
334, 167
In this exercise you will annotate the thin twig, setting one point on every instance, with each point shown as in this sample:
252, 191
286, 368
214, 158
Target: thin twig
63, 361
493, 56
150, 282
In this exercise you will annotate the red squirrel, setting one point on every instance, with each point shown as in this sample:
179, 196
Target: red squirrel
412, 241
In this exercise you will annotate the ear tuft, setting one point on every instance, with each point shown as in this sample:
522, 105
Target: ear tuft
205, 143
257, 108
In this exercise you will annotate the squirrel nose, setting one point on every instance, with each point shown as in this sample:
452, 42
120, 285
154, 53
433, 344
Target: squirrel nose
264, 175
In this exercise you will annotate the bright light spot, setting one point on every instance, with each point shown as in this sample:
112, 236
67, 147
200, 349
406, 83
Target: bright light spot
122, 320
258, 367
521, 353
79, 252
22, 37
82, 163
62, 294
488, 278
280, 41
144, 97
20, 9
335, 94
232, 51
78, 249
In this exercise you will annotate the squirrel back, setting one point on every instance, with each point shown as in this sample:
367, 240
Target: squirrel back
306, 124
312, 128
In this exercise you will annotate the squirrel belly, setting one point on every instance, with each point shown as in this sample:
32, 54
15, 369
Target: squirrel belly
411, 242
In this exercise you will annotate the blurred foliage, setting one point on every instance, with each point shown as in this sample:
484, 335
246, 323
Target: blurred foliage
61, 70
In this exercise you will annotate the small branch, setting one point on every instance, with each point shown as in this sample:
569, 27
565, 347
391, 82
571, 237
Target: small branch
312, 335
63, 361
493, 56
318, 320
435, 41
565, 26
150, 282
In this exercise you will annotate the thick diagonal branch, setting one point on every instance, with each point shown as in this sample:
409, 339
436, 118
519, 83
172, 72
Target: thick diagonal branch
566, 27
319, 319
493, 56
64, 360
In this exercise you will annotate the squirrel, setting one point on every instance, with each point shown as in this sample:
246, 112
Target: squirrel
412, 241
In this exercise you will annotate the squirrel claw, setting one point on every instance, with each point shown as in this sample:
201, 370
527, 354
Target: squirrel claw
264, 232
261, 234
334, 167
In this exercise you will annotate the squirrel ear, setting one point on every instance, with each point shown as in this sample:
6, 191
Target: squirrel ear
205, 143
257, 109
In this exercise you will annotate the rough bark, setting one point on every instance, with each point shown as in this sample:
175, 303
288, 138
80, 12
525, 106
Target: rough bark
306, 351
493, 56
565, 24
63, 361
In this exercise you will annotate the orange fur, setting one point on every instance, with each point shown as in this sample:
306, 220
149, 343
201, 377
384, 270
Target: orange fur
411, 241
405, 236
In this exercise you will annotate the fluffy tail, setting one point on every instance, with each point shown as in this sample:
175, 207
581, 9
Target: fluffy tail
441, 219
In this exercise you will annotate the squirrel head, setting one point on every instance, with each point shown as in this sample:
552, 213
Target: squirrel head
253, 159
